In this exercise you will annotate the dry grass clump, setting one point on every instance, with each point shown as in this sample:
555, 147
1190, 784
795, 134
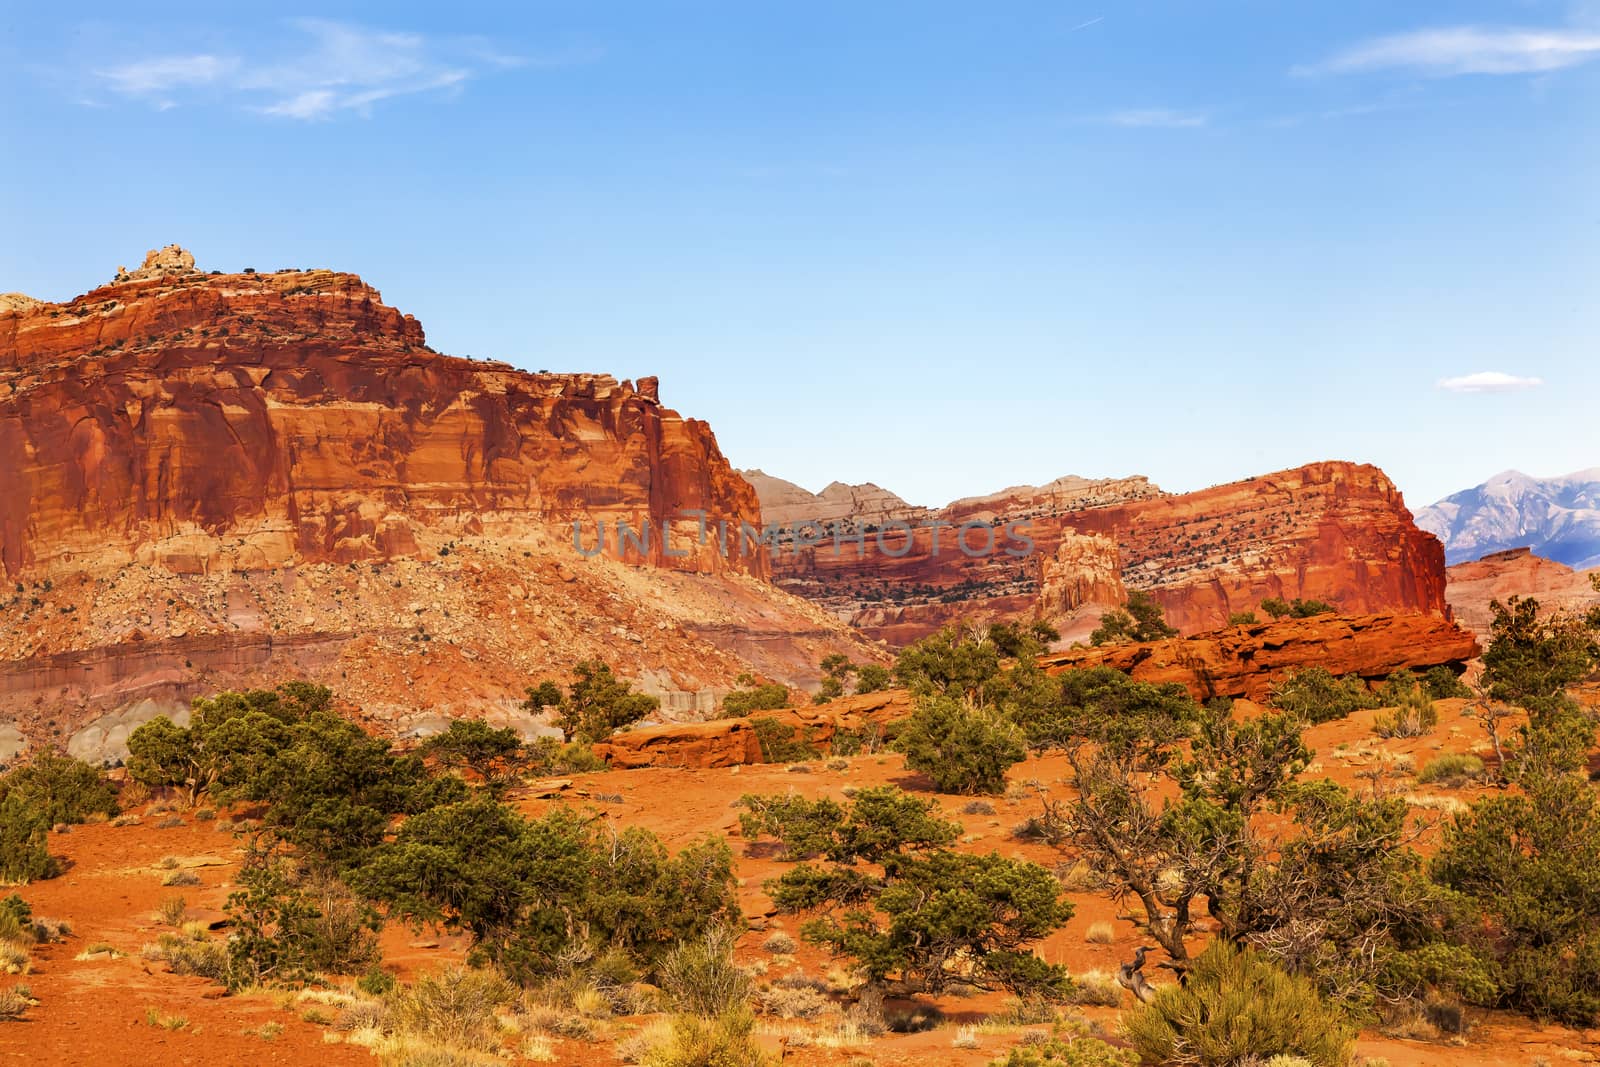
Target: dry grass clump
977, 807
15, 958
778, 942
172, 911
185, 955
1098, 988
793, 1001
455, 1008
701, 978
15, 1001
1100, 933
966, 1037
180, 878
1452, 770
1080, 876
690, 1041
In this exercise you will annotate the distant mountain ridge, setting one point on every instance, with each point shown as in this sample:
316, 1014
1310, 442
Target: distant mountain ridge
1558, 518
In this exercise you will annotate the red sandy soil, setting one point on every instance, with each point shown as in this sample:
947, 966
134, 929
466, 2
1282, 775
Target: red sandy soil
95, 1009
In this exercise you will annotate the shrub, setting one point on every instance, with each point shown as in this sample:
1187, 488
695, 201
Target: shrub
24, 836
15, 918
782, 742
1096, 988
184, 955
180, 878
549, 756
1237, 1007
455, 1007
779, 943
1532, 864
60, 789
754, 697
928, 906
533, 891
727, 1041
1442, 683
1101, 933
793, 1001
1068, 1050
1315, 695
287, 929
1414, 718
961, 748
14, 1002
1453, 769
472, 744
1140, 620
1242, 618
1279, 608
596, 704
700, 975
172, 911
376, 982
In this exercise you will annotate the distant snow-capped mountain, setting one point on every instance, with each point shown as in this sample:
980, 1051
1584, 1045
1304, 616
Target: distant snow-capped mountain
1559, 518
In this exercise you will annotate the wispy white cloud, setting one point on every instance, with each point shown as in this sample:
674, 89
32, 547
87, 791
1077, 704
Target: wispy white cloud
1087, 23
1454, 50
329, 68
1155, 118
1489, 381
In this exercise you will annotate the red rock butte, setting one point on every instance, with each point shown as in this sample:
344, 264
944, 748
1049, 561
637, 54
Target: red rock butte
219, 479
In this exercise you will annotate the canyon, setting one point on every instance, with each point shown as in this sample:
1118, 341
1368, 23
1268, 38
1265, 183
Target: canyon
216, 480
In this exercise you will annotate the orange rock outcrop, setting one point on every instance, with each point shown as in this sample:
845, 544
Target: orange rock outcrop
1239, 661
1247, 661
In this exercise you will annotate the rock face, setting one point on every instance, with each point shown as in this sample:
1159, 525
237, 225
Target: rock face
215, 479
1332, 531
1557, 518
730, 742
1518, 572
265, 418
1079, 584
1247, 661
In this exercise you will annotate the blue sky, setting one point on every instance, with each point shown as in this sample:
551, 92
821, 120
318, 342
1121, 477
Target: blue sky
944, 247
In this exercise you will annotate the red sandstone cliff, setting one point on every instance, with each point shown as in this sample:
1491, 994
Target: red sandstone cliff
232, 479
1332, 531
296, 413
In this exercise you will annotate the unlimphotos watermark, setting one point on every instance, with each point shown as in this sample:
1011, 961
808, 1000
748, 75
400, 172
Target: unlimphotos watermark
895, 538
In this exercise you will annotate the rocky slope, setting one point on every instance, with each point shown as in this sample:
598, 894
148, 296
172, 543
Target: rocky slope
216, 479
1558, 518
1332, 531
1519, 572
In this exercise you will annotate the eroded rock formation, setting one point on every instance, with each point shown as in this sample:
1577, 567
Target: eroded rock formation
1518, 572
217, 479
1241, 661
1247, 661
1332, 531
